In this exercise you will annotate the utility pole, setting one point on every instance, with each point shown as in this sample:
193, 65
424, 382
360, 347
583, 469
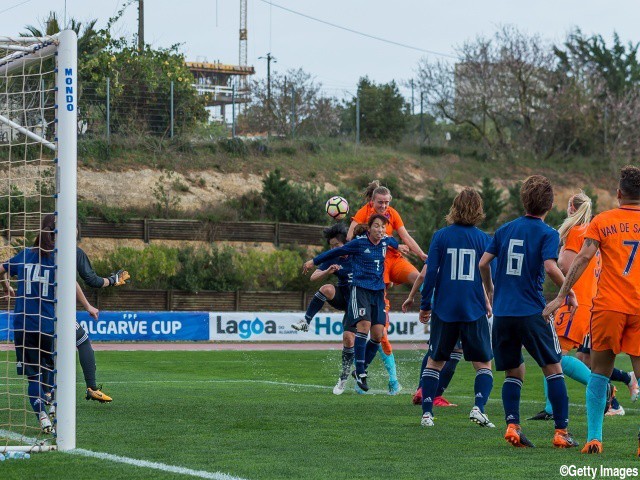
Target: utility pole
357, 120
421, 117
140, 25
270, 58
413, 108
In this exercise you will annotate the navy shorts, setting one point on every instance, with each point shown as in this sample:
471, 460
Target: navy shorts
34, 352
474, 337
365, 304
585, 347
340, 299
510, 334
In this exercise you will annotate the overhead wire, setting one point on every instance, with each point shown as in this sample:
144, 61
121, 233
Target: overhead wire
351, 30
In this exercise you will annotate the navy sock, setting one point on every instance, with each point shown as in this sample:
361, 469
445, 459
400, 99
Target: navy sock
34, 389
619, 376
430, 380
559, 399
316, 304
615, 404
359, 350
347, 361
511, 389
371, 349
425, 359
482, 387
447, 373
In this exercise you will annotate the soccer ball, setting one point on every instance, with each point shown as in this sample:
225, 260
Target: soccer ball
337, 207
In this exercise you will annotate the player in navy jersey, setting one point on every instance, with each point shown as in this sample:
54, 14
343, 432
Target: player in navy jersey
34, 315
337, 296
459, 308
449, 369
366, 301
526, 248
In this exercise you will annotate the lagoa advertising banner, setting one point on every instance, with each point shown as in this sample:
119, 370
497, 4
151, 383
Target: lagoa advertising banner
146, 326
223, 327
269, 326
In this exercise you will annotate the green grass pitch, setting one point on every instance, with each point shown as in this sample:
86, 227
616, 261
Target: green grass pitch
268, 415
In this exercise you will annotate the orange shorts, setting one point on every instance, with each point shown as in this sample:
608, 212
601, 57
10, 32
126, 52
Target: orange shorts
397, 270
571, 331
615, 331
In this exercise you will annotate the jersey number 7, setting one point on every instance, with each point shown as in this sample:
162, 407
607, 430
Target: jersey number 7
632, 256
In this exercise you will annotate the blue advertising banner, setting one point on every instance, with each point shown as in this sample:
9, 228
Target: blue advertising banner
6, 326
146, 326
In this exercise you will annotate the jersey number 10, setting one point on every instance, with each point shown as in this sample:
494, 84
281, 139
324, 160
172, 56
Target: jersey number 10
462, 259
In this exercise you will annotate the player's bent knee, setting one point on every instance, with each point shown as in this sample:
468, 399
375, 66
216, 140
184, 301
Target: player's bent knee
328, 291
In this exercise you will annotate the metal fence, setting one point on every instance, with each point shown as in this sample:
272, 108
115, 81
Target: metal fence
124, 299
159, 229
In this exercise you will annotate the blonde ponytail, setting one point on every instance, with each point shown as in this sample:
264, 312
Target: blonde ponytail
368, 192
582, 216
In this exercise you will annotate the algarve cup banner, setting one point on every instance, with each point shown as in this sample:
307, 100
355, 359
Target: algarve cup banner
276, 327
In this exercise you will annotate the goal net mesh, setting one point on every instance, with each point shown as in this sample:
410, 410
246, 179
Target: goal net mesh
27, 194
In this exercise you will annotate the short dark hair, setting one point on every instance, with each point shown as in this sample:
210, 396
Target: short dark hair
536, 194
467, 208
377, 216
338, 230
630, 182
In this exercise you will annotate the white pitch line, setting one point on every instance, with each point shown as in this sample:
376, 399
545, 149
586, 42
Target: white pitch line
153, 465
129, 461
327, 387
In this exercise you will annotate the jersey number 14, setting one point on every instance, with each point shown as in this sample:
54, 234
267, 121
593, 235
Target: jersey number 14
32, 274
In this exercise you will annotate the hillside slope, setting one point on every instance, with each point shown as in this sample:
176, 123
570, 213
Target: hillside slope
206, 175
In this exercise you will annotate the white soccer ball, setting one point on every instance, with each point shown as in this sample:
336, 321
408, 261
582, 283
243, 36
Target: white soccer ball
337, 207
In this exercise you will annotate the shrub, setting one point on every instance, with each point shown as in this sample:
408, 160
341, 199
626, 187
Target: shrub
151, 267
279, 270
201, 269
234, 147
286, 202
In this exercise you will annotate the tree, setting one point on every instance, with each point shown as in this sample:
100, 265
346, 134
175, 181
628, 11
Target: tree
433, 212
140, 81
515, 207
605, 83
383, 115
493, 204
499, 87
312, 112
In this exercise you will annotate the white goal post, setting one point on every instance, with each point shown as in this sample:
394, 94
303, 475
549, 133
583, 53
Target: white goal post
38, 164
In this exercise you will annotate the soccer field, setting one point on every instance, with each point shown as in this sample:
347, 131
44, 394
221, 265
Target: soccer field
271, 414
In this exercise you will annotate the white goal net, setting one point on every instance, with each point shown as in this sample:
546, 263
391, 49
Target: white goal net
38, 103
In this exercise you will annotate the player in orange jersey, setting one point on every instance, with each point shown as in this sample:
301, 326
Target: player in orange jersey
615, 319
397, 269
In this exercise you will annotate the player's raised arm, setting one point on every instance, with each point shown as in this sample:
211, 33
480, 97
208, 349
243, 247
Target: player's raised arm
406, 237
578, 266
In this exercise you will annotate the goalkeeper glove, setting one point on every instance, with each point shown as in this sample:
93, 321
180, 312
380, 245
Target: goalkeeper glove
119, 278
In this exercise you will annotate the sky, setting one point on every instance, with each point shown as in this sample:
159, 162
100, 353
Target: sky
208, 29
